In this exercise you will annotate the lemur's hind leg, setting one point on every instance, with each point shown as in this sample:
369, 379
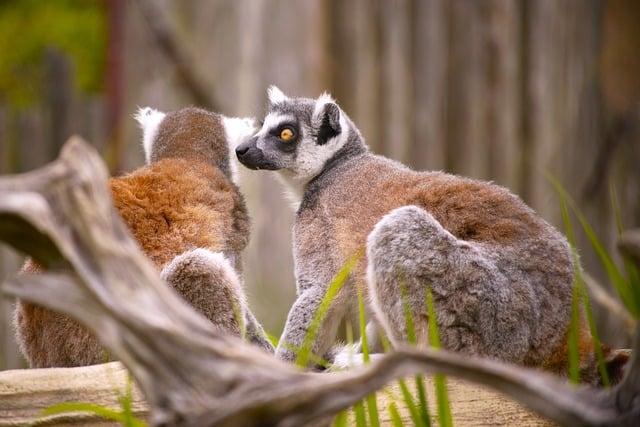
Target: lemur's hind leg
477, 310
208, 282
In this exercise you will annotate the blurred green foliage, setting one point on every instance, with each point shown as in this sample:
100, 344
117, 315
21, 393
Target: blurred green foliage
29, 27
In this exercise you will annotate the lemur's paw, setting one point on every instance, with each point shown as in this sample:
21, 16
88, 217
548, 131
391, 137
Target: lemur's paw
350, 357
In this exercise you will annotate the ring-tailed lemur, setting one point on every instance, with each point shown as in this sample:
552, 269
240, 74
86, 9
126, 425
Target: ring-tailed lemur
500, 275
190, 219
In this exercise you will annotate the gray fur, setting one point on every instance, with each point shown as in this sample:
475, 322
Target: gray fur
210, 284
499, 274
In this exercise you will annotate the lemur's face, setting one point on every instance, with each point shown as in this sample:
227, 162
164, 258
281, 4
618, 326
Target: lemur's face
298, 136
193, 133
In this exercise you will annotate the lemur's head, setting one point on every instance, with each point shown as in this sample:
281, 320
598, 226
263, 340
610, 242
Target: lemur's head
298, 136
194, 134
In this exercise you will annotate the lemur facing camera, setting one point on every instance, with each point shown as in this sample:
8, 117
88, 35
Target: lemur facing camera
500, 275
190, 219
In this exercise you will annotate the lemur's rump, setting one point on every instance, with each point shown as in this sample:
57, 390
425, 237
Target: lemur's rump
500, 275
190, 220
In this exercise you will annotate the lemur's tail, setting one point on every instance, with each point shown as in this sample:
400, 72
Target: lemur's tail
207, 281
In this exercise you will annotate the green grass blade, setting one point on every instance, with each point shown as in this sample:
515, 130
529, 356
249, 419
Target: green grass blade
422, 407
342, 419
440, 382
574, 335
616, 209
126, 403
372, 403
597, 344
629, 296
574, 325
274, 340
410, 404
396, 420
98, 410
633, 274
363, 327
579, 289
302, 359
361, 418
372, 409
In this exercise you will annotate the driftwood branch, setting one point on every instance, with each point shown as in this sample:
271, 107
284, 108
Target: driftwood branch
190, 374
177, 54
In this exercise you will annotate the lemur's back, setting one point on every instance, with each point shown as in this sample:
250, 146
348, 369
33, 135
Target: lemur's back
469, 209
175, 205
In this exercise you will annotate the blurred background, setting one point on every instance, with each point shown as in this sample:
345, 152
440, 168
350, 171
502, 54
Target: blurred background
503, 90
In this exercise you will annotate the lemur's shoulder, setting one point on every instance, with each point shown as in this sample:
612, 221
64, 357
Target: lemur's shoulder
176, 204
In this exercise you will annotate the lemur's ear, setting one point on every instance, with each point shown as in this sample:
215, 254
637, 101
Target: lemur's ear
330, 123
149, 120
275, 95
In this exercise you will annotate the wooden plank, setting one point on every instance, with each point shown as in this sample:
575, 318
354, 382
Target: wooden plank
466, 103
502, 49
429, 82
25, 393
397, 133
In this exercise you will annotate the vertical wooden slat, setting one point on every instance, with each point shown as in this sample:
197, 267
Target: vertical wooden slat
429, 25
503, 91
368, 81
397, 82
466, 106
544, 102
114, 83
59, 99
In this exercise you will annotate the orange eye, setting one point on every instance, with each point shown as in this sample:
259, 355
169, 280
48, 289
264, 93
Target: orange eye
286, 134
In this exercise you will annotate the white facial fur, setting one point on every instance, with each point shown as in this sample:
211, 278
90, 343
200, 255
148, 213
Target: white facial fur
273, 120
149, 120
237, 131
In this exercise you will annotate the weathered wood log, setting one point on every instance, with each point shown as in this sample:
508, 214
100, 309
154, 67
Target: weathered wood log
25, 393
62, 215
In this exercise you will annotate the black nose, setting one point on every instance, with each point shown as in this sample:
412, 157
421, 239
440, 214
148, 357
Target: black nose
241, 150
245, 147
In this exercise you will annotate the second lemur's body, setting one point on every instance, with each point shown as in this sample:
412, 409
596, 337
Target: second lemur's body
499, 274
188, 217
